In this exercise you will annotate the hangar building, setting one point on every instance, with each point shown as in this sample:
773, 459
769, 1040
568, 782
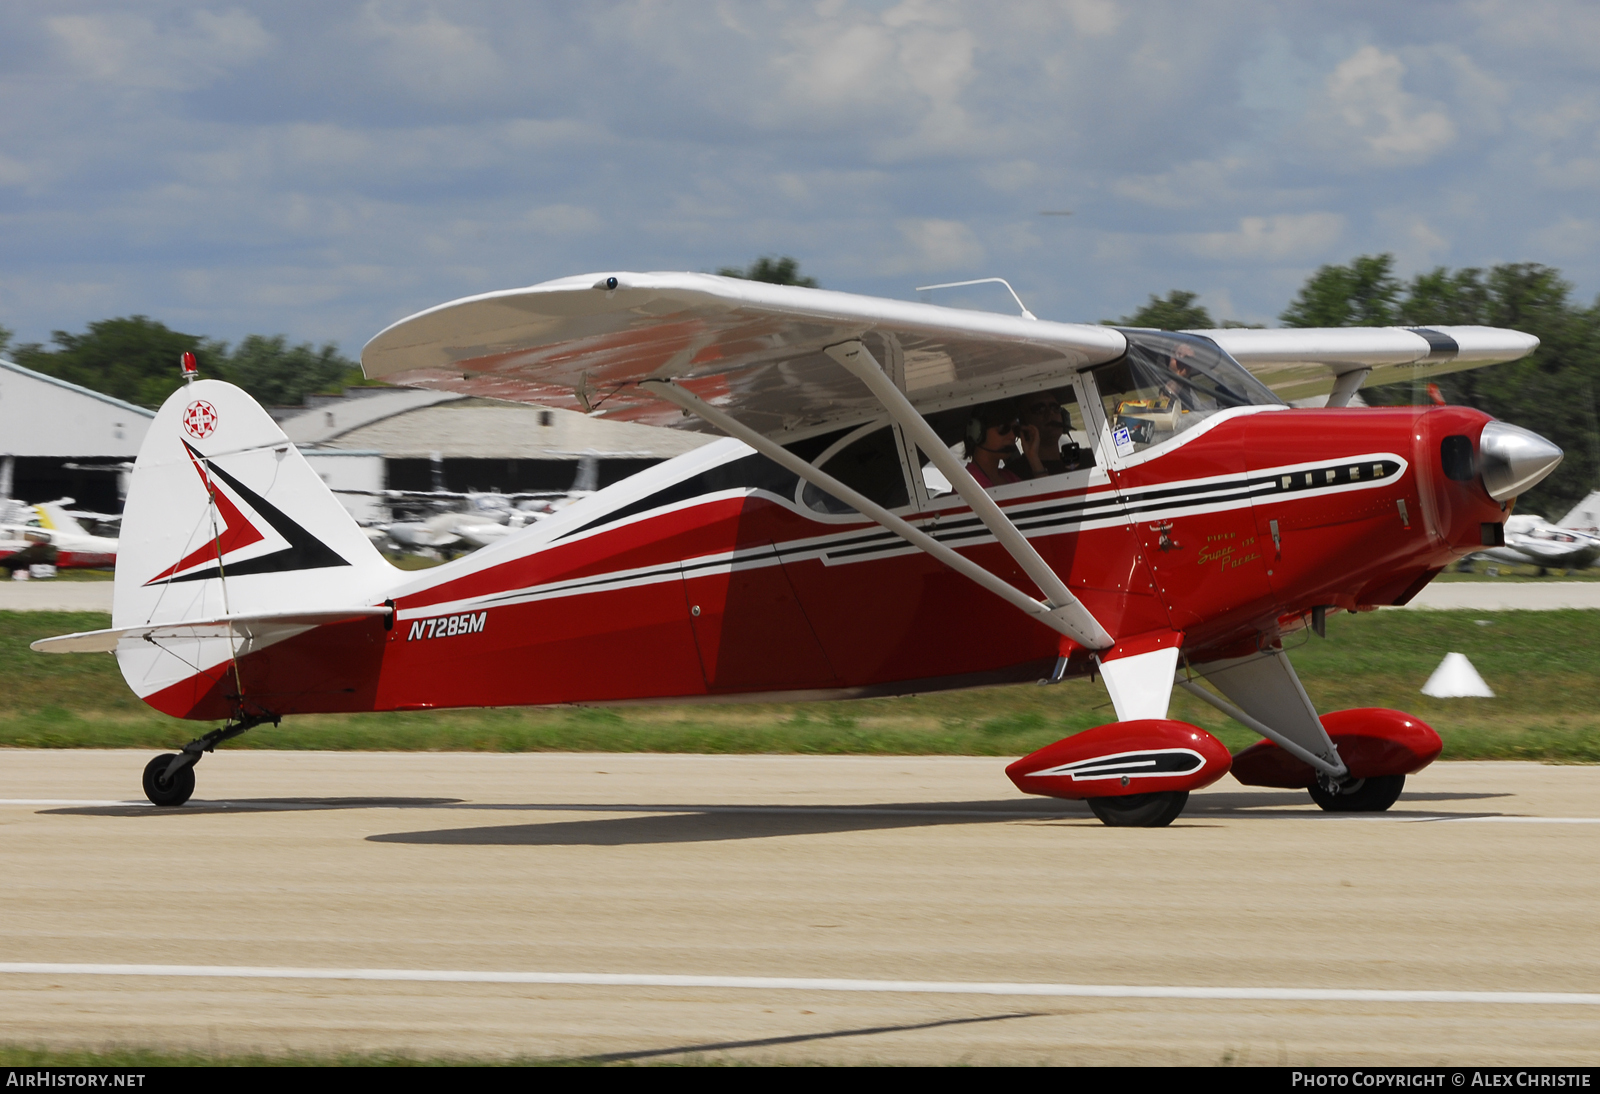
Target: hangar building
412, 439
53, 433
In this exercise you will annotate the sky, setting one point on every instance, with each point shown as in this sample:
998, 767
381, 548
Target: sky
323, 169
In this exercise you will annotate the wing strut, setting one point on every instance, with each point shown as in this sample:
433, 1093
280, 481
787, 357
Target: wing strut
1345, 385
1067, 619
855, 357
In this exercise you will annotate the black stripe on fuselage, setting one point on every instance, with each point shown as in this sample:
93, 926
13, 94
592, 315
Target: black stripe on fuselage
1043, 517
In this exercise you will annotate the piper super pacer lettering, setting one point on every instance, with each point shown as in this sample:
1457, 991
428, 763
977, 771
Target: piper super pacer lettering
906, 498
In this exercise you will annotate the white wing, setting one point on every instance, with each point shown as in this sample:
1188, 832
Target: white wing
1300, 363
753, 349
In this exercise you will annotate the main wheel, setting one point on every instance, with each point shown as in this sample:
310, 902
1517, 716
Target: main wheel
163, 791
1154, 810
1373, 794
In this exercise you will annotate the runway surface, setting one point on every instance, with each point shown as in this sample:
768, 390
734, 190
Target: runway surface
839, 909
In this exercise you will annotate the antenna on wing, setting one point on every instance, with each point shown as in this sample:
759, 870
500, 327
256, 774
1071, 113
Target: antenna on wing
1026, 314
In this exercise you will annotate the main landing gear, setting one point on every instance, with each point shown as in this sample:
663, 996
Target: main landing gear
1373, 794
1156, 809
169, 778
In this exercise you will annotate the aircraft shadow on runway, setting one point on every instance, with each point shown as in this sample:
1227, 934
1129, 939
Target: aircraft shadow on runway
697, 823
702, 823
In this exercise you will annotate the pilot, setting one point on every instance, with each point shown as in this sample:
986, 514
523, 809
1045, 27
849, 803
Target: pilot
1180, 388
990, 442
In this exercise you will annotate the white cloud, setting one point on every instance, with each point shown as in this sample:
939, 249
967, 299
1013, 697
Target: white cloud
1186, 186
1269, 238
934, 245
132, 51
433, 57
561, 220
457, 148
1010, 176
1570, 237
14, 172
1094, 18
910, 68
1365, 108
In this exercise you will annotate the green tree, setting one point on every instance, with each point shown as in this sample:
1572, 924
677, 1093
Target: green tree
133, 358
6, 334
1442, 298
1362, 294
278, 374
136, 359
774, 271
1177, 312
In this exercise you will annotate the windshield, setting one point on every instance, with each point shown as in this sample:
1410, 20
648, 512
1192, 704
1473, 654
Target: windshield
1167, 383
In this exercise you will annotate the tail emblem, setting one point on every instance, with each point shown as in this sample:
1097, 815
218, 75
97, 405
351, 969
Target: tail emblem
300, 550
200, 419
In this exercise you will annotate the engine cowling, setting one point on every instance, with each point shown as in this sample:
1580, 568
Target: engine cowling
1371, 741
1137, 757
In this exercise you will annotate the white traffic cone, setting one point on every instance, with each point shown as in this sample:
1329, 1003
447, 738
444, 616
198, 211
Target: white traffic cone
1455, 678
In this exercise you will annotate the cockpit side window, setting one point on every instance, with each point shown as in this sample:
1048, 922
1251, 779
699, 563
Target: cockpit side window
1167, 383
1064, 442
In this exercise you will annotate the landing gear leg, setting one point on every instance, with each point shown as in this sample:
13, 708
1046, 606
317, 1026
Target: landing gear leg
1373, 794
169, 778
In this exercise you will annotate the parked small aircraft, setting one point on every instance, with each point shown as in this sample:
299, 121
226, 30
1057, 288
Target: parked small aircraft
835, 545
50, 533
1533, 541
440, 518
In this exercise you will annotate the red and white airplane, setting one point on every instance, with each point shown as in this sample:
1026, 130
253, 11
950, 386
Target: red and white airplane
53, 535
835, 544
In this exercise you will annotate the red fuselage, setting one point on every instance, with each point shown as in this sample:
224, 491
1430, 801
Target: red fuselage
707, 577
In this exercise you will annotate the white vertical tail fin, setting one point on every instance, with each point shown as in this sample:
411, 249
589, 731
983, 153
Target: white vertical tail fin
224, 517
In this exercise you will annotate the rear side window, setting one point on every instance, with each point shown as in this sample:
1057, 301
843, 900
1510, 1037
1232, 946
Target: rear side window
870, 465
1455, 452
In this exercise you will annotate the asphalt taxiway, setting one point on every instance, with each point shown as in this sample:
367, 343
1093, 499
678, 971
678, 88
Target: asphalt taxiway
844, 909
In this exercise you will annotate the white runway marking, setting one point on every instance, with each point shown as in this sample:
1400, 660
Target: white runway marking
789, 983
68, 801
1522, 820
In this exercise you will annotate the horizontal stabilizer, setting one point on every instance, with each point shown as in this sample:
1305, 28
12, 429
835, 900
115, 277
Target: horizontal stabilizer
248, 627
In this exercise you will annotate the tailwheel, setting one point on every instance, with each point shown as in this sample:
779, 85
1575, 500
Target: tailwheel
1154, 810
162, 790
1373, 794
163, 786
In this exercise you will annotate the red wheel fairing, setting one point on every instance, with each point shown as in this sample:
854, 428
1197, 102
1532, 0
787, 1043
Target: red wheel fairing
1123, 758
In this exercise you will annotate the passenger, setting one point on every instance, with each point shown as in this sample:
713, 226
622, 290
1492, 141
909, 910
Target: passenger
1040, 427
990, 441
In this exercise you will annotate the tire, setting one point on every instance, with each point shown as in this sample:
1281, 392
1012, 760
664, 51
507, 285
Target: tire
1370, 795
162, 792
1154, 810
